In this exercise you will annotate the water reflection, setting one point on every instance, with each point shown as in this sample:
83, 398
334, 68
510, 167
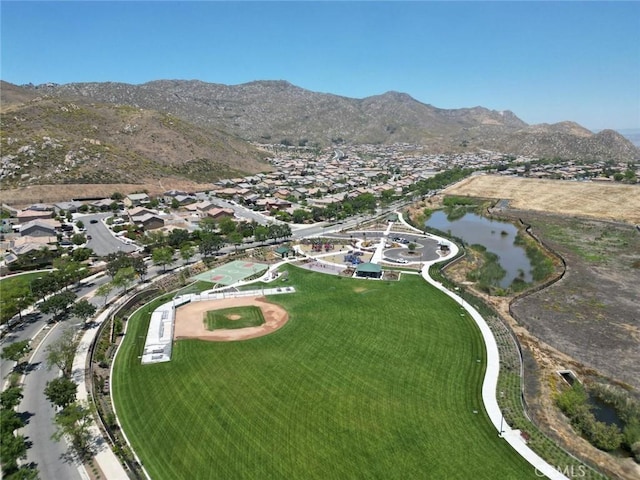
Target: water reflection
497, 237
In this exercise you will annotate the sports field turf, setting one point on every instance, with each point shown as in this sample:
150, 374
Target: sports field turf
368, 379
237, 317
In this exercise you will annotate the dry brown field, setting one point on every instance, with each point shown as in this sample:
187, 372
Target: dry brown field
607, 201
21, 197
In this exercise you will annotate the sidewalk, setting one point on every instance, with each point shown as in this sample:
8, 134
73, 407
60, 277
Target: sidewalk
109, 463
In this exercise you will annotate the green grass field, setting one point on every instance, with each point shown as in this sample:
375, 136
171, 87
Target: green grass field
10, 289
368, 379
237, 317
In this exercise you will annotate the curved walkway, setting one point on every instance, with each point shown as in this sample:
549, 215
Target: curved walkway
490, 382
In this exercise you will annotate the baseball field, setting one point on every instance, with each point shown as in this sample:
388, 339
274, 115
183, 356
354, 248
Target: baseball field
367, 379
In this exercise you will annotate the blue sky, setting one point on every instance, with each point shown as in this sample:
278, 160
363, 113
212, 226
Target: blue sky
545, 61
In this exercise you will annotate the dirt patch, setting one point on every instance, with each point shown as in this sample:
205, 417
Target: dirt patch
20, 197
233, 317
189, 322
611, 201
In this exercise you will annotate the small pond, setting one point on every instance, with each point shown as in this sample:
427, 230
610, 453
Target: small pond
497, 237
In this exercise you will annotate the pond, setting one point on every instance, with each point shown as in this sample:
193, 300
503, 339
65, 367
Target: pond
497, 237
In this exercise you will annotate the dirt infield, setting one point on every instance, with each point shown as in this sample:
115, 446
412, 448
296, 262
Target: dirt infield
189, 320
609, 201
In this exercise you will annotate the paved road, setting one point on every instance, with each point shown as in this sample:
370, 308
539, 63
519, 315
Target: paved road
102, 240
52, 459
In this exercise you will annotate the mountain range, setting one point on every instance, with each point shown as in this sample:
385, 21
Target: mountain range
195, 129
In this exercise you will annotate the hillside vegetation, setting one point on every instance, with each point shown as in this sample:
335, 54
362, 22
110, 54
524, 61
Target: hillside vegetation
53, 141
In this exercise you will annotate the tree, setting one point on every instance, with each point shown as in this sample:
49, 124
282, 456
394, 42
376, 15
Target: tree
10, 421
261, 233
83, 309
300, 216
41, 286
58, 303
68, 270
235, 238
74, 421
78, 239
124, 278
81, 254
24, 472
154, 238
61, 352
116, 261
208, 224
23, 298
139, 267
177, 237
226, 226
117, 196
412, 247
61, 391
80, 224
210, 243
15, 351
104, 290
162, 256
10, 398
12, 448
186, 252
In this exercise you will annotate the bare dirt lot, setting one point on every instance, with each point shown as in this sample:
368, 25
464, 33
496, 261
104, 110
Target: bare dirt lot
189, 320
607, 201
20, 197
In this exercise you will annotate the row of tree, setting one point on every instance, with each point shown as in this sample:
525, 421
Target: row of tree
13, 446
73, 418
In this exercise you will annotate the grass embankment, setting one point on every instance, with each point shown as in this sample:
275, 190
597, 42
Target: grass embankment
368, 379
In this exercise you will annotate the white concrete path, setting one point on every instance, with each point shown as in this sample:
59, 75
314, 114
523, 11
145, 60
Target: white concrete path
490, 382
377, 256
106, 459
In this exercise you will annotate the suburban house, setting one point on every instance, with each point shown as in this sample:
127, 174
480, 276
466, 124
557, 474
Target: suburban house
23, 245
135, 199
135, 213
103, 204
149, 221
26, 216
68, 206
219, 213
201, 208
39, 228
182, 198
167, 197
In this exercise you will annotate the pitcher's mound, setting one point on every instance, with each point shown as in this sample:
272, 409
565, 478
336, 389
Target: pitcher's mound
189, 322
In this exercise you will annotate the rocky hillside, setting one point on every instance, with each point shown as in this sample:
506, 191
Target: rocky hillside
47, 140
276, 111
